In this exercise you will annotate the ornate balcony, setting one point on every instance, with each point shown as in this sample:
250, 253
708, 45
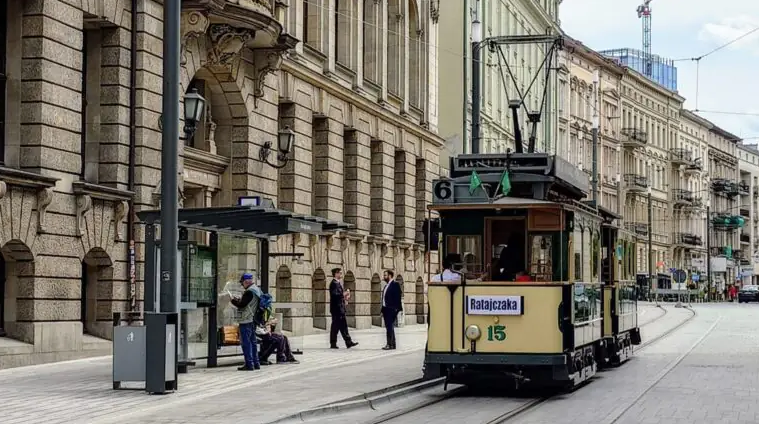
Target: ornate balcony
633, 138
688, 239
637, 228
725, 187
636, 183
683, 197
725, 222
745, 238
694, 167
681, 156
726, 251
745, 211
743, 189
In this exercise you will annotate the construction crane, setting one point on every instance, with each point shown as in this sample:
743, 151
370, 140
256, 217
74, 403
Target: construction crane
644, 12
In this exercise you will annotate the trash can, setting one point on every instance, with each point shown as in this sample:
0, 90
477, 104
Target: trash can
128, 351
161, 352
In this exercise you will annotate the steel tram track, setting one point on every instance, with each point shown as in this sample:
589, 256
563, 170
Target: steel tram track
529, 405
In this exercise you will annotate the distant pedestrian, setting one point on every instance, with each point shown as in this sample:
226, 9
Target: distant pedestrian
247, 304
391, 306
338, 297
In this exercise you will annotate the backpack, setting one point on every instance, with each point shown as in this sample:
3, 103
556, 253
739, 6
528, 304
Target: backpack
265, 310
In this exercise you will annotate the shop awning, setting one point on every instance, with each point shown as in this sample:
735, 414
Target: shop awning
250, 221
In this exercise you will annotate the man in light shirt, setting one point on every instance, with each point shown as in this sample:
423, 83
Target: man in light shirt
447, 274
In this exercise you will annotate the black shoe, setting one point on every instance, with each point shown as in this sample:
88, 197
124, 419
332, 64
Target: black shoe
387, 348
334, 347
244, 368
257, 367
351, 344
292, 361
265, 363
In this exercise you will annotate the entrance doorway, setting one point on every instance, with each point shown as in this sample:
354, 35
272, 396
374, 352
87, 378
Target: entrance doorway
505, 242
2, 296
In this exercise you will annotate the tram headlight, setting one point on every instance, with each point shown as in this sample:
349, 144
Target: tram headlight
473, 333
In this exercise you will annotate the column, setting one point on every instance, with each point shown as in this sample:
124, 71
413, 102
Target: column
382, 203
358, 180
327, 168
294, 181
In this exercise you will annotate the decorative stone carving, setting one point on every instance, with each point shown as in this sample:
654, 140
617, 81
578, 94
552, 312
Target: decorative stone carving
83, 204
44, 197
194, 24
359, 247
265, 62
254, 4
434, 10
227, 43
119, 212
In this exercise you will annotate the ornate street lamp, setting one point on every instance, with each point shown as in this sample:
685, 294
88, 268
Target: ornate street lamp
285, 140
194, 106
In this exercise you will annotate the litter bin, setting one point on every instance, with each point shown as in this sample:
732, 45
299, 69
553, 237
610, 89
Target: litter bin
161, 352
128, 351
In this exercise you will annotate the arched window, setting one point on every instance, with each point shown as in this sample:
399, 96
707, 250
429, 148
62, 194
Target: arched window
372, 34
415, 48
395, 46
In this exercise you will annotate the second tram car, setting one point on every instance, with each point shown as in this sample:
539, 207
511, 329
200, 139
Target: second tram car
545, 294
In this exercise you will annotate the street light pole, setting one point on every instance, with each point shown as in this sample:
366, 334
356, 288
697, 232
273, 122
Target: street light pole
594, 132
476, 83
650, 242
708, 253
172, 10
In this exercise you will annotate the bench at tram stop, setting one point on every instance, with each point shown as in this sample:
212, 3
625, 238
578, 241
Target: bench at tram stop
296, 342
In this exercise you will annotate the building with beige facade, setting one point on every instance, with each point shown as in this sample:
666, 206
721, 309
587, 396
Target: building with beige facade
650, 148
748, 165
81, 145
506, 17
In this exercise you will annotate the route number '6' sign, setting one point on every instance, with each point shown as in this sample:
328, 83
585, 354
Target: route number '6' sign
442, 191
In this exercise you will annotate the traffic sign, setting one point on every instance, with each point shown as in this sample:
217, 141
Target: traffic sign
695, 277
679, 276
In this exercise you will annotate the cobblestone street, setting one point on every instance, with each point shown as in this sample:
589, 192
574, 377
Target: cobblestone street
57, 392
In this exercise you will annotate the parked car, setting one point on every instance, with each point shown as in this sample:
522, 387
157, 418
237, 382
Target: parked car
748, 294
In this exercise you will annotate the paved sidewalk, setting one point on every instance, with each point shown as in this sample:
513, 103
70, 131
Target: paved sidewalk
81, 391
55, 393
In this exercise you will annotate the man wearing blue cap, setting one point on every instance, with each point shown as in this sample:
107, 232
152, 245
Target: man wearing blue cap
248, 305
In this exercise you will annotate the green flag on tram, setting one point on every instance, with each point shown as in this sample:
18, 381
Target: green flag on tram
474, 182
505, 183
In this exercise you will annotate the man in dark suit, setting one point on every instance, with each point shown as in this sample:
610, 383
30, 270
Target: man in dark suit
391, 306
337, 300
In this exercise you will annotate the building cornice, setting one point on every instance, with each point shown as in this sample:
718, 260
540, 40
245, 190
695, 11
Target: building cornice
352, 97
641, 79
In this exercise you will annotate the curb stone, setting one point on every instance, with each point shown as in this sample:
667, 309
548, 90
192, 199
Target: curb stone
369, 400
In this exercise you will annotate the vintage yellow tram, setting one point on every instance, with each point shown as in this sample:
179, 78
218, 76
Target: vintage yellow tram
541, 290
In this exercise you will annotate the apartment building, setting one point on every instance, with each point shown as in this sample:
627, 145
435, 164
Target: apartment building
506, 17
588, 91
748, 166
355, 82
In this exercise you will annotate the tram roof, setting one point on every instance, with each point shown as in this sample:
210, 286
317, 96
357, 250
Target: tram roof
503, 202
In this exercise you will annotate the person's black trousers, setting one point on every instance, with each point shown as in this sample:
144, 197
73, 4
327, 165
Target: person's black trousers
339, 324
389, 317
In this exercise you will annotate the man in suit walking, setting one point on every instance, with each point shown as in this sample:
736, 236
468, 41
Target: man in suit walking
337, 300
391, 306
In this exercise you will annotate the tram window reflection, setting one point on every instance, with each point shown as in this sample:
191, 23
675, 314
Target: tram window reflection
468, 249
541, 263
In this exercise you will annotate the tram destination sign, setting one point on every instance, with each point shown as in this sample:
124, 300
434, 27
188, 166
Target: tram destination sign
495, 305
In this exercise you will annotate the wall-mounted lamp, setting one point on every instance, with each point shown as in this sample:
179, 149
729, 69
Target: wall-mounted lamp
285, 140
194, 106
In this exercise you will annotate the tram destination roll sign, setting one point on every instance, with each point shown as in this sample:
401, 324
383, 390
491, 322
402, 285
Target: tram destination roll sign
495, 305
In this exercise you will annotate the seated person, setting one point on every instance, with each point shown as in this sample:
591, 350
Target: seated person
271, 342
447, 274
523, 277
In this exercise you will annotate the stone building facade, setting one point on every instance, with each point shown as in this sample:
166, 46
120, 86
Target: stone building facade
81, 146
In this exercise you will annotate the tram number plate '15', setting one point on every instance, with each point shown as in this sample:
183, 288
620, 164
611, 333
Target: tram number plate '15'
497, 333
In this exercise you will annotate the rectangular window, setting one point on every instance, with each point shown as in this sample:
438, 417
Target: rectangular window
3, 78
305, 22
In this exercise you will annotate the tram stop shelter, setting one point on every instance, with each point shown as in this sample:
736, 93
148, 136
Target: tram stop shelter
201, 263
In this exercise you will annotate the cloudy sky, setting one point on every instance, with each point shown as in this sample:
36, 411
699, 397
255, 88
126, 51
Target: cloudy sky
728, 79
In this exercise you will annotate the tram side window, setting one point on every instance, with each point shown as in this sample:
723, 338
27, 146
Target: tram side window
587, 303
627, 296
580, 254
541, 262
468, 249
